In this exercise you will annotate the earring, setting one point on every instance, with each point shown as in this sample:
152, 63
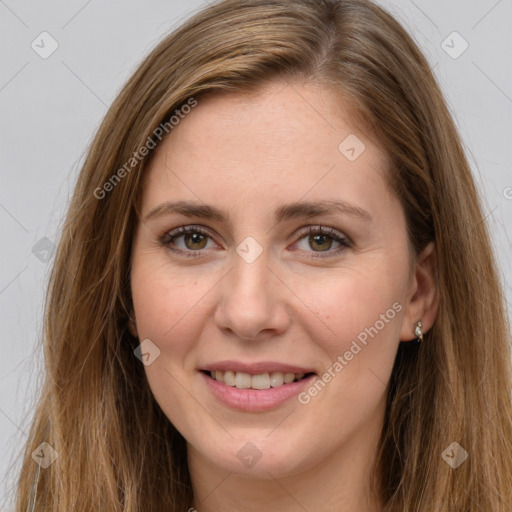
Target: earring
418, 333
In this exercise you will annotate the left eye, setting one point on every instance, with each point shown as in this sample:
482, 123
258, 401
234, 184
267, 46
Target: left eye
195, 240
322, 237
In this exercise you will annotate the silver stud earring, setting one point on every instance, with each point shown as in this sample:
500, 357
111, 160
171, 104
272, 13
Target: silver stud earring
418, 333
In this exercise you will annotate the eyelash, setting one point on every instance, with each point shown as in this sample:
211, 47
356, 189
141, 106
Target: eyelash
336, 236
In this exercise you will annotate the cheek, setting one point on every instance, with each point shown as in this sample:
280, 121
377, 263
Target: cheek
356, 324
170, 309
170, 305
150, 301
344, 308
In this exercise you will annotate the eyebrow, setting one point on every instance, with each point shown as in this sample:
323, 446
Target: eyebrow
286, 212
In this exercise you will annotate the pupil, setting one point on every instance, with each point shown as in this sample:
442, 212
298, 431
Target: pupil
315, 238
196, 238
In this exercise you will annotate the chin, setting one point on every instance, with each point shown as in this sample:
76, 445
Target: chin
261, 453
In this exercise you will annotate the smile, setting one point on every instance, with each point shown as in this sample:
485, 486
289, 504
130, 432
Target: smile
254, 387
267, 380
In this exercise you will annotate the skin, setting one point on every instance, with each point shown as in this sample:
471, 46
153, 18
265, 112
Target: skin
248, 156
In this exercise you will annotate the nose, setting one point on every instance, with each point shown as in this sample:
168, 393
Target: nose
253, 304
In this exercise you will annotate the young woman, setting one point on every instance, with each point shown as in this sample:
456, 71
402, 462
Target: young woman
275, 288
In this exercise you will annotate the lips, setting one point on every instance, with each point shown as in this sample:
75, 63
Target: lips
255, 386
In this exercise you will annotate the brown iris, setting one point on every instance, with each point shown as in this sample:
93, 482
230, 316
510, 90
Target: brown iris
321, 239
196, 238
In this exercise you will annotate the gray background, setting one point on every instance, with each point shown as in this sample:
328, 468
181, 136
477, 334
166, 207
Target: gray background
50, 109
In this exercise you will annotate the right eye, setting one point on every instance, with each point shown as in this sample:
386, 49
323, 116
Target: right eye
194, 240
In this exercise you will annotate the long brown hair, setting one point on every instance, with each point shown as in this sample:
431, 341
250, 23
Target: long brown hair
116, 449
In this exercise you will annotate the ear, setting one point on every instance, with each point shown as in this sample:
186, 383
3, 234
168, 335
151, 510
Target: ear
423, 296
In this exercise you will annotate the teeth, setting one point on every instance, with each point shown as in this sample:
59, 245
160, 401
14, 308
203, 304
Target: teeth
261, 381
276, 379
229, 378
244, 380
289, 377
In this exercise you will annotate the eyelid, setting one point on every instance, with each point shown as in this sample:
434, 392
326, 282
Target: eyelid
323, 230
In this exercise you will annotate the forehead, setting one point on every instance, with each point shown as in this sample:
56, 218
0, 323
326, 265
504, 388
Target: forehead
285, 141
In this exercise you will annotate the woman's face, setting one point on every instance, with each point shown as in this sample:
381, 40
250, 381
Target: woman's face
249, 293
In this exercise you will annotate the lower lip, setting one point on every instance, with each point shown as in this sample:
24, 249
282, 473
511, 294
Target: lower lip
255, 400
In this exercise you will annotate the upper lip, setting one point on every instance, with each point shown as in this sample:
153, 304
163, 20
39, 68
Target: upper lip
255, 368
